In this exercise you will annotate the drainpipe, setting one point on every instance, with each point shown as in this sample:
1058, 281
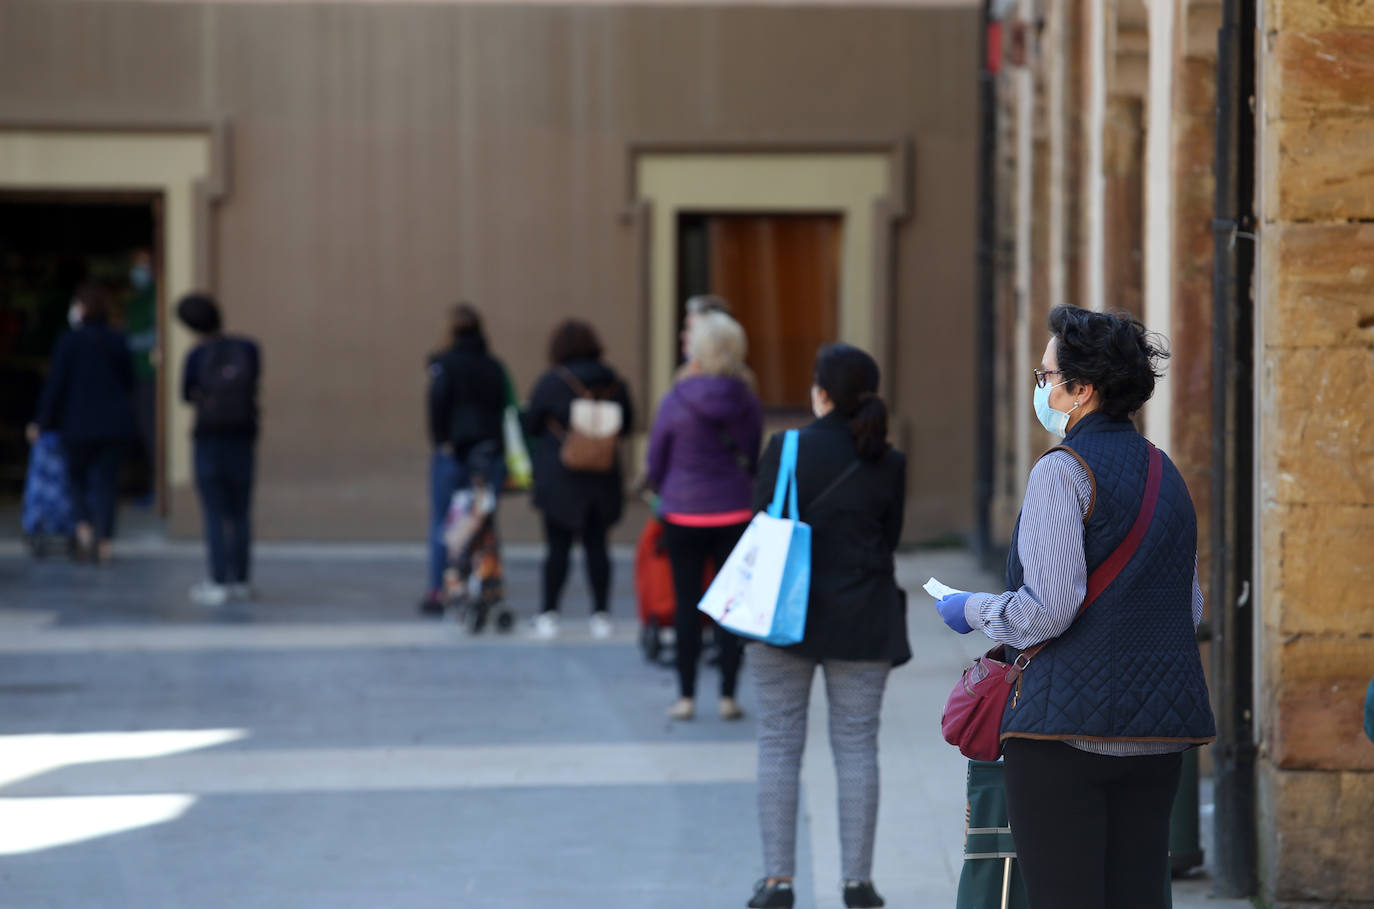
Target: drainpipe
986, 344
1235, 843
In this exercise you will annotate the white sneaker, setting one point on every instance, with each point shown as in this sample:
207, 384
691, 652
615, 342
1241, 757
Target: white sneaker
209, 594
242, 592
682, 709
601, 626
546, 626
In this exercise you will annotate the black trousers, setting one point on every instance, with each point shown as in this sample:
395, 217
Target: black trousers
1091, 831
558, 541
688, 549
224, 480
93, 473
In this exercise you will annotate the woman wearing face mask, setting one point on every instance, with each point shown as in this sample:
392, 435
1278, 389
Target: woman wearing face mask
1093, 737
851, 486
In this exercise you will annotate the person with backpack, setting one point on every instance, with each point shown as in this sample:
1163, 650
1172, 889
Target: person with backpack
466, 401
703, 452
86, 400
578, 412
220, 380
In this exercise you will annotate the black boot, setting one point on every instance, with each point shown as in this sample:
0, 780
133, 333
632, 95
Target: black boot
861, 895
778, 895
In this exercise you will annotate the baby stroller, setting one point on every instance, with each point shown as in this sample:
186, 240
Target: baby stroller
473, 583
47, 517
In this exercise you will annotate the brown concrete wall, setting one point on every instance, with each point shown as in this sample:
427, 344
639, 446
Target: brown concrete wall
387, 160
1317, 452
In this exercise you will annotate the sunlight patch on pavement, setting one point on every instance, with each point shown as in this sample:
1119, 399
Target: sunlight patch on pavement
31, 825
25, 756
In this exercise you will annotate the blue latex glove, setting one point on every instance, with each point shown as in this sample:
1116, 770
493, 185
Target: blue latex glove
951, 609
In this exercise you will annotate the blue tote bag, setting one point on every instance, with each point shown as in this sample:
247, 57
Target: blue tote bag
761, 590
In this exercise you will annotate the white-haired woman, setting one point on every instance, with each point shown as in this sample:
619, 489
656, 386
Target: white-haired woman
702, 456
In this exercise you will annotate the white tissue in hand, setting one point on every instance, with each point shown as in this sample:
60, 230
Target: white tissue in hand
940, 591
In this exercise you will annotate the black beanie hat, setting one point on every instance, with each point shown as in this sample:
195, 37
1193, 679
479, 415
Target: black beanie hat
199, 312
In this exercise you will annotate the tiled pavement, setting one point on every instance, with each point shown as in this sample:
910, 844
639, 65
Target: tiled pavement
323, 747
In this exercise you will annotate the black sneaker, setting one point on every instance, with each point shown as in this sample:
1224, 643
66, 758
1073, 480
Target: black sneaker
861, 895
772, 896
431, 606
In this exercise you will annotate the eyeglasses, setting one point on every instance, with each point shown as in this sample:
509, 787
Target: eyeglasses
1042, 376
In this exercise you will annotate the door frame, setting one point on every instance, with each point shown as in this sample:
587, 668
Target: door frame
186, 164
867, 181
157, 206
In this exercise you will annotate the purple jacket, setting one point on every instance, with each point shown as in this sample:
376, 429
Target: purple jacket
691, 466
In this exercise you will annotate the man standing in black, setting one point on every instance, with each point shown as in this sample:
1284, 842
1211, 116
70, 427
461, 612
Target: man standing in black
220, 380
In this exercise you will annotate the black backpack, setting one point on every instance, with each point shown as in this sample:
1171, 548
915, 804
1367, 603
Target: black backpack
228, 397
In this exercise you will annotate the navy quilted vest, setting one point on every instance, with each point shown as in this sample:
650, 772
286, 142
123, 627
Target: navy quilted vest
1128, 668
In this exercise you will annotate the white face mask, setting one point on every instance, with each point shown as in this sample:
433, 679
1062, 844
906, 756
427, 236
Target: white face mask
1055, 421
74, 315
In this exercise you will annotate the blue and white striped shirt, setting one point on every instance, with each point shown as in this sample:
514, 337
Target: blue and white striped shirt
1050, 544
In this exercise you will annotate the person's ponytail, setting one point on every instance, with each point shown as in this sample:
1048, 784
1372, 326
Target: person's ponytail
849, 376
868, 426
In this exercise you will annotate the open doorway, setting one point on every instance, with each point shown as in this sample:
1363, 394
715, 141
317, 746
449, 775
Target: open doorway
50, 242
781, 275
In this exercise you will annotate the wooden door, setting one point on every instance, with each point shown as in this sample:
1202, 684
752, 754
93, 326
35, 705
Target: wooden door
781, 275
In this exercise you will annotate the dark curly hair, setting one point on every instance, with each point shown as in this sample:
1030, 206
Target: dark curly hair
1112, 352
573, 340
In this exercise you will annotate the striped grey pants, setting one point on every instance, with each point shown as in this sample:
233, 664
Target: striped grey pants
854, 691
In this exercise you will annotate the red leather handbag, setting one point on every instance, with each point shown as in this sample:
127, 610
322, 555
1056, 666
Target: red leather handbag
972, 720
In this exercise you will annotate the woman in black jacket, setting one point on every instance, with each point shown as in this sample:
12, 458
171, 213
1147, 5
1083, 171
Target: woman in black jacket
576, 504
86, 399
851, 485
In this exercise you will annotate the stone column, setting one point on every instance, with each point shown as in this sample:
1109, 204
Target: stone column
1190, 367
1315, 415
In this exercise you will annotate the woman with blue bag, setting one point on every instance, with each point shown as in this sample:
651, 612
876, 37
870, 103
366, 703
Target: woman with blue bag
851, 486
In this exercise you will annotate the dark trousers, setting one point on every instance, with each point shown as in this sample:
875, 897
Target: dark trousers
93, 471
559, 540
1091, 831
224, 480
688, 549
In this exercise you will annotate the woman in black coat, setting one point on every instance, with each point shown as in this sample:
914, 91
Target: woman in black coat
576, 504
86, 399
851, 486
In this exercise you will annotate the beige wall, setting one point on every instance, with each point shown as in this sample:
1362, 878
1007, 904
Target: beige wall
385, 161
1316, 417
